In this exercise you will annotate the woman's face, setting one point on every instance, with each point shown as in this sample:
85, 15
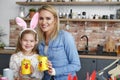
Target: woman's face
46, 21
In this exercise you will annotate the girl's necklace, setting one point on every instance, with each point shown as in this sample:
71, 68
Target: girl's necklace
28, 54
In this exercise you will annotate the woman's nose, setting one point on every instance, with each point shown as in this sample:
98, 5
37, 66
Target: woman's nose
44, 21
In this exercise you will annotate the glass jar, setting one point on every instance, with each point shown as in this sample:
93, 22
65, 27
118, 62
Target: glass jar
22, 12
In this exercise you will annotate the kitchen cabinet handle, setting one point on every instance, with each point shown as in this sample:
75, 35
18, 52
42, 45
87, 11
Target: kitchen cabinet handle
93, 61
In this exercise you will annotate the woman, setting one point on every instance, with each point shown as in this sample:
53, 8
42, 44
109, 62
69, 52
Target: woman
58, 45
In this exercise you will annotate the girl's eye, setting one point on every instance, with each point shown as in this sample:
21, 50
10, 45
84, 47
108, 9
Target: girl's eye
32, 40
48, 18
24, 40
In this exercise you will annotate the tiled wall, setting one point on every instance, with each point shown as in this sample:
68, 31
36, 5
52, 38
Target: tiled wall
14, 33
97, 32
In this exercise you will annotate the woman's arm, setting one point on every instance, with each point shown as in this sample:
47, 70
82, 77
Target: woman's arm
74, 64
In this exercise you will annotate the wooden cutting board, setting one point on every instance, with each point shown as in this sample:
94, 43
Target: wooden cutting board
110, 45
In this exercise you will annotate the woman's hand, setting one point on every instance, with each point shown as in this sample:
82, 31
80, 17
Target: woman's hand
51, 70
49, 67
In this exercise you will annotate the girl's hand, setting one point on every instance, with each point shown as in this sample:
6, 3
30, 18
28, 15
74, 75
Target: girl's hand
32, 69
20, 71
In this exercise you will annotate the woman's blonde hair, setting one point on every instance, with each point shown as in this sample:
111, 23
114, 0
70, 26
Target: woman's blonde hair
20, 37
52, 10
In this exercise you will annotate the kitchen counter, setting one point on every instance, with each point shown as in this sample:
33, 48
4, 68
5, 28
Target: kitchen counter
99, 57
6, 51
95, 62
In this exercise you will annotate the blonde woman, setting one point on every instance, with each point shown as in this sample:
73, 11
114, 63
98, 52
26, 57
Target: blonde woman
58, 45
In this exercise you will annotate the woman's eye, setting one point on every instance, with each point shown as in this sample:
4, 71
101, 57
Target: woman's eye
47, 18
40, 18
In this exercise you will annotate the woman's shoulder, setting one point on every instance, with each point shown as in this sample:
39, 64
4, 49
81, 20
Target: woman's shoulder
65, 33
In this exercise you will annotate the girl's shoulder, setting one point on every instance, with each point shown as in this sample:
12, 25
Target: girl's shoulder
36, 54
16, 54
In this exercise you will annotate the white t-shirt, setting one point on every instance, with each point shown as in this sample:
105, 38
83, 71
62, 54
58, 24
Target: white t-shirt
15, 63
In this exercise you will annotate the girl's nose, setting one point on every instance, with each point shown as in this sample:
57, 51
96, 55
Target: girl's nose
28, 42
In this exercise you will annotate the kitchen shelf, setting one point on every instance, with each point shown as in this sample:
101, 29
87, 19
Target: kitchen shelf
67, 3
89, 20
93, 20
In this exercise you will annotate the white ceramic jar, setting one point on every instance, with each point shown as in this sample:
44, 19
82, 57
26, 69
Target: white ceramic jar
35, 0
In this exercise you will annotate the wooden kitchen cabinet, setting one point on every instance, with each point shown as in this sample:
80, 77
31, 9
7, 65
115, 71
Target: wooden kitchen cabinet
4, 61
91, 64
102, 63
87, 65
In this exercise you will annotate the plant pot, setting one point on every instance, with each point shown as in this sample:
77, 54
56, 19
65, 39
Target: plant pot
31, 14
32, 11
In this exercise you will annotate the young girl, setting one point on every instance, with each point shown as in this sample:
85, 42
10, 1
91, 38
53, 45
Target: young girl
26, 49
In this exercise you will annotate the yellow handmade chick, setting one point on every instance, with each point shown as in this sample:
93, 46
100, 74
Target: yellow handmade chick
42, 66
26, 66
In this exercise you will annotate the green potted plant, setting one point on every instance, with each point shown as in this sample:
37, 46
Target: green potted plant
31, 12
1, 35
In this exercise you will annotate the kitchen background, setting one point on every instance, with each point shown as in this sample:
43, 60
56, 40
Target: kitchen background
97, 32
9, 10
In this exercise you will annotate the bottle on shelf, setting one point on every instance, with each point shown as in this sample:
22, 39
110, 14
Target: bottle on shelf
83, 15
70, 15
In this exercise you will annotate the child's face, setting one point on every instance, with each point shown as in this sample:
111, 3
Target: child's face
28, 42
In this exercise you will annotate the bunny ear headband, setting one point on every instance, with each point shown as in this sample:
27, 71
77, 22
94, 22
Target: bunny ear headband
33, 23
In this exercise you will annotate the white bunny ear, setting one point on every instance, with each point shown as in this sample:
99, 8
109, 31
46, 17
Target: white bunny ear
21, 22
34, 20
